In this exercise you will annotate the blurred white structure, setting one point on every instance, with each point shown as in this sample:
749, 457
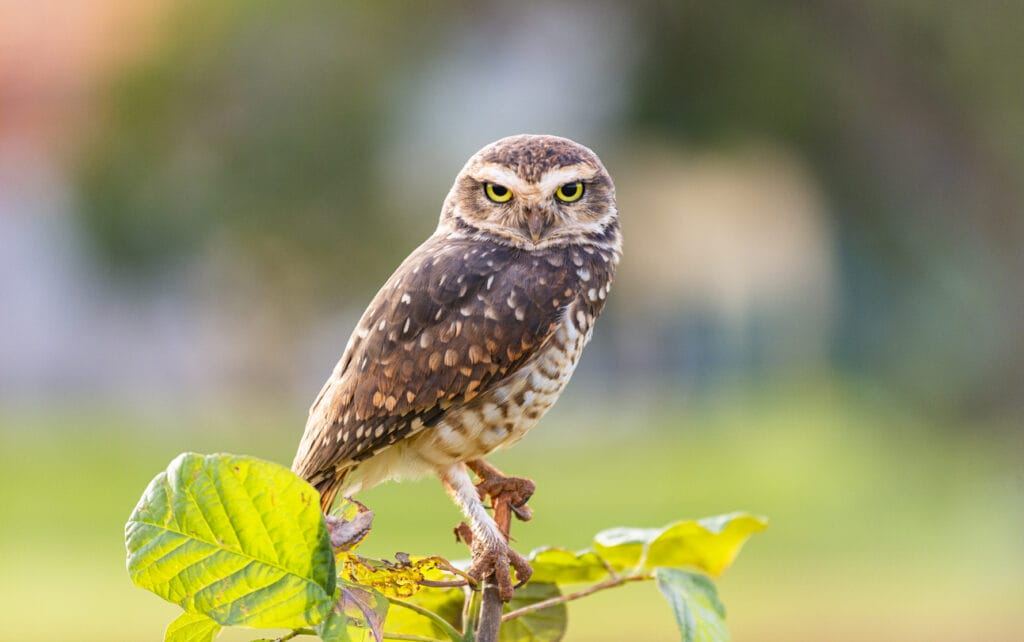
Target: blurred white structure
740, 240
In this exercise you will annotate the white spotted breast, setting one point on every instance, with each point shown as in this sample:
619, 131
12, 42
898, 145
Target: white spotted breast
505, 414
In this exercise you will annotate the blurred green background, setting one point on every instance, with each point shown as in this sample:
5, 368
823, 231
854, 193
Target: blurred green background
819, 315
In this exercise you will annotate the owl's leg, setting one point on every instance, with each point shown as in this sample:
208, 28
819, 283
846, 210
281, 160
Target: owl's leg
501, 487
491, 552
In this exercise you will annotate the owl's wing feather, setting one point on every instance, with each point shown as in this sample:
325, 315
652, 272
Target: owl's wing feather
452, 322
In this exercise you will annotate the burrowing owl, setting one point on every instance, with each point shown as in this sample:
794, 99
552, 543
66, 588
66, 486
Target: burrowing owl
475, 335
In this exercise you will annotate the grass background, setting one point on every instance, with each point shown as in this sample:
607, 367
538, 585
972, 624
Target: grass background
884, 525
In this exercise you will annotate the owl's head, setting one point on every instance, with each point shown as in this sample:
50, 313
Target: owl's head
533, 192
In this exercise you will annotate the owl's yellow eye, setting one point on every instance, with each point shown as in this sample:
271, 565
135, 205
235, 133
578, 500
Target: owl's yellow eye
497, 193
570, 192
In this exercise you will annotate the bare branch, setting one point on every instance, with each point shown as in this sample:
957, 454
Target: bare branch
490, 612
611, 582
443, 583
491, 605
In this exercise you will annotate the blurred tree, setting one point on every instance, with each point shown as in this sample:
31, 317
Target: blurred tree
254, 126
907, 113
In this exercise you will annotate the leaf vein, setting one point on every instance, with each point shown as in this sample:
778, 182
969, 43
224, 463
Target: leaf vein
242, 554
220, 501
156, 540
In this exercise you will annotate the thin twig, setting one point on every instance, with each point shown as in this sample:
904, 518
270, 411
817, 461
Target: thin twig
612, 573
543, 604
441, 623
445, 565
443, 583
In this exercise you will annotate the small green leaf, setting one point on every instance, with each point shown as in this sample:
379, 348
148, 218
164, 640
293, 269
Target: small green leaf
623, 548
545, 625
191, 627
445, 602
560, 566
334, 627
235, 538
700, 615
365, 608
710, 544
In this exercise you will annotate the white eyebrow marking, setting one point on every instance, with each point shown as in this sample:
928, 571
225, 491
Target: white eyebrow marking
552, 180
555, 178
501, 175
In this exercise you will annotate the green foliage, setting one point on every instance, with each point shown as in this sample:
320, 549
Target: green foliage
445, 603
544, 625
565, 567
239, 541
710, 544
192, 627
358, 614
259, 120
234, 538
699, 613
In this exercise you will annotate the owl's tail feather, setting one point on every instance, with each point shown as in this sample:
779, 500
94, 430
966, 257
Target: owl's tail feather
329, 485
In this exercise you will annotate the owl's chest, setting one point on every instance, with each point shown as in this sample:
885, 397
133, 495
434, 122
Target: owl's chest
505, 414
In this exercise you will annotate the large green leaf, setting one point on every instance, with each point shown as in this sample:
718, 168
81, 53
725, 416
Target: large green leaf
191, 627
235, 538
700, 615
709, 544
545, 625
561, 566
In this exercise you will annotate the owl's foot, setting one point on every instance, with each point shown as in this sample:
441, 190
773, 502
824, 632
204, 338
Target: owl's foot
515, 491
495, 558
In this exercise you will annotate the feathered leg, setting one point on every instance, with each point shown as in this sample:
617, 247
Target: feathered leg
491, 552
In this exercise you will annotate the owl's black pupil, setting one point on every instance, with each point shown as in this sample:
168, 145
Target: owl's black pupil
498, 190
570, 190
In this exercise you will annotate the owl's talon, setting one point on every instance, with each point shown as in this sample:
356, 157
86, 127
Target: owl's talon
523, 513
522, 566
464, 534
498, 560
516, 491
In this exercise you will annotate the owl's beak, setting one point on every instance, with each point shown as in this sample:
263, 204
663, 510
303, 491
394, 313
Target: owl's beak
535, 224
